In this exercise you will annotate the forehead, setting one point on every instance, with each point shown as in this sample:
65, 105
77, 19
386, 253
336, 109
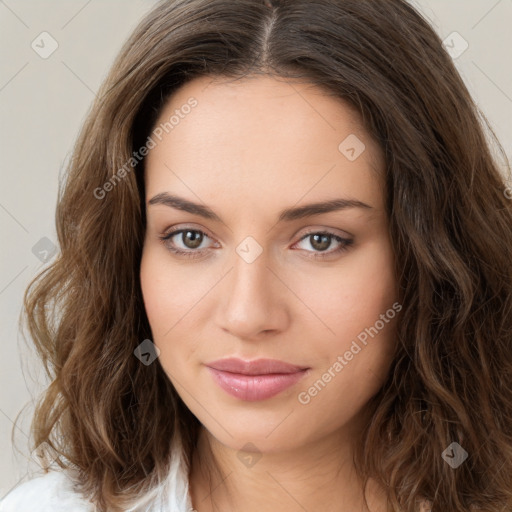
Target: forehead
262, 135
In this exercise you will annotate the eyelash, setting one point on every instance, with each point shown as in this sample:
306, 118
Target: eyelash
345, 243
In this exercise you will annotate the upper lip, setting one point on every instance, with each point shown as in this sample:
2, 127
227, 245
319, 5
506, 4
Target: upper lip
255, 367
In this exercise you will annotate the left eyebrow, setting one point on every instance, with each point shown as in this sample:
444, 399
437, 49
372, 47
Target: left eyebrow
287, 215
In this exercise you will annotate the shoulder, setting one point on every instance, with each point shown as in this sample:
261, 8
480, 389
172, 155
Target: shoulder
51, 492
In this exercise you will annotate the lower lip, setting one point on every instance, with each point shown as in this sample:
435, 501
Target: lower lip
255, 387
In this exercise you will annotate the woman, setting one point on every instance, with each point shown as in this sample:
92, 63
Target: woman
285, 279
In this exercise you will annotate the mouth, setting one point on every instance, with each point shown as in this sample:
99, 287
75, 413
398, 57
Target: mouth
255, 380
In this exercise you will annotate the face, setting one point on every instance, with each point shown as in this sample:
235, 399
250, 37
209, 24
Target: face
259, 275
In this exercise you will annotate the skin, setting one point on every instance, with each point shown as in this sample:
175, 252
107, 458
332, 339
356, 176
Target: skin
249, 149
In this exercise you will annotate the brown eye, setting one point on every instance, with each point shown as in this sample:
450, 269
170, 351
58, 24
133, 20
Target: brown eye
187, 244
191, 239
321, 241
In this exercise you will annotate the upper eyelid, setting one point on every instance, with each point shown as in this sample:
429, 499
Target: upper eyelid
310, 231
175, 230
333, 231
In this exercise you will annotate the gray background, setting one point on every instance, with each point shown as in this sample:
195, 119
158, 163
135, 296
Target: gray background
44, 101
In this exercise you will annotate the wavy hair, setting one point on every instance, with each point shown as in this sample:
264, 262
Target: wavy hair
111, 418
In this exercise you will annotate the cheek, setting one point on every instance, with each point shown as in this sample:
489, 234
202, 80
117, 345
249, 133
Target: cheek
165, 296
169, 298
355, 303
153, 284
352, 296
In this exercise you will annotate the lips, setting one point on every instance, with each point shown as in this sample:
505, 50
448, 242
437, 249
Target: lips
255, 380
256, 367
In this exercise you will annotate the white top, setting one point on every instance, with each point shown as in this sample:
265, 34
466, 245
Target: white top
53, 492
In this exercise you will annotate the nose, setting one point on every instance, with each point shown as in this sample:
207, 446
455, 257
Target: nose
252, 301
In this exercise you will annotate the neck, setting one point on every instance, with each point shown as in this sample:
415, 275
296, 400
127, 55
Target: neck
318, 476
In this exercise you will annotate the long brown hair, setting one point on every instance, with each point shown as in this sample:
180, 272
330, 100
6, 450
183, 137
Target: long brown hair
112, 418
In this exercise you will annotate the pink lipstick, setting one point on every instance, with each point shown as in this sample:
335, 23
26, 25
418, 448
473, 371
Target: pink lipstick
255, 380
